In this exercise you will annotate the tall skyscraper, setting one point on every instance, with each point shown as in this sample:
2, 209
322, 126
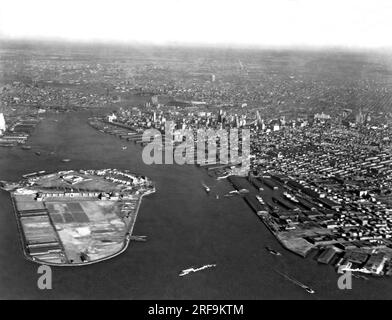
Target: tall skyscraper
258, 118
359, 118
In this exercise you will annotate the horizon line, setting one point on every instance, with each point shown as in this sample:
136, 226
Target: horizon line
206, 45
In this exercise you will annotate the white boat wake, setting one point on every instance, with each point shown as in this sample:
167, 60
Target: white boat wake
191, 270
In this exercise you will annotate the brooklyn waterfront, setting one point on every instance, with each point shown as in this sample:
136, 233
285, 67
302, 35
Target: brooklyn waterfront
184, 226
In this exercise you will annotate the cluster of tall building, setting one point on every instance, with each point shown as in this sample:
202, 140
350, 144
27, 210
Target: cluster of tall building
234, 120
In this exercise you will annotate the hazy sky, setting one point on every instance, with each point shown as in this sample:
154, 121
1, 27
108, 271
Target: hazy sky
354, 23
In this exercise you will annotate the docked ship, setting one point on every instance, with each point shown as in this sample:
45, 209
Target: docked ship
260, 199
33, 174
359, 276
290, 197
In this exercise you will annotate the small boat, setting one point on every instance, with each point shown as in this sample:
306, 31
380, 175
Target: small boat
272, 251
309, 290
300, 284
192, 269
206, 188
137, 238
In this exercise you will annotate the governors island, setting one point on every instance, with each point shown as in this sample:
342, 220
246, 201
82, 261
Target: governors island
80, 217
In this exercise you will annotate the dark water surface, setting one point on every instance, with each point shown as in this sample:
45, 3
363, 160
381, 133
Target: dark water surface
184, 226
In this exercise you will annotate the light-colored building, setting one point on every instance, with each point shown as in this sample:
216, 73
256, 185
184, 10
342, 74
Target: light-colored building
2, 123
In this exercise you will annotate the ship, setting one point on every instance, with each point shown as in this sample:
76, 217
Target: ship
66, 160
239, 192
272, 251
33, 174
290, 197
26, 147
300, 284
124, 148
260, 199
243, 191
38, 153
192, 269
206, 188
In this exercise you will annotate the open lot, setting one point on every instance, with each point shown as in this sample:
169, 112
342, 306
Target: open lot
88, 229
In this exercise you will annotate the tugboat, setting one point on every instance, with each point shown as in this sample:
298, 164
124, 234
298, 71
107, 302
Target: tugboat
272, 251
